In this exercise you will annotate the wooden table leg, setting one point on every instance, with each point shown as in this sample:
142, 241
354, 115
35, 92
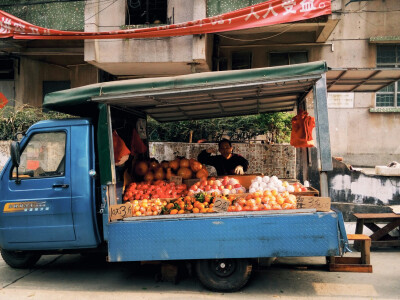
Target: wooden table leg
376, 236
359, 230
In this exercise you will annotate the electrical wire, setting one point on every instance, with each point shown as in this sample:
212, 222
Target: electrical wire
101, 10
286, 28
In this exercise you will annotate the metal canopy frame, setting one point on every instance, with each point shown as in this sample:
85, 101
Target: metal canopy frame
245, 98
217, 101
360, 80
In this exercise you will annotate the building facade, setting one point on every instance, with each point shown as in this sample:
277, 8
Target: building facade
30, 69
358, 34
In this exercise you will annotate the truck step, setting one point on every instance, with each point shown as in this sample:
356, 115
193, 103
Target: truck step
354, 264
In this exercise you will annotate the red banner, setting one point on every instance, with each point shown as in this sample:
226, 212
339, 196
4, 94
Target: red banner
3, 100
259, 15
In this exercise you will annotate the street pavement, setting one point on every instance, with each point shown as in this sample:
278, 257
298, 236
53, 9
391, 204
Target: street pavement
77, 277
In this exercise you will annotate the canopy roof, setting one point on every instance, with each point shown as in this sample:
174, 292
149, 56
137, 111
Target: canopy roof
216, 94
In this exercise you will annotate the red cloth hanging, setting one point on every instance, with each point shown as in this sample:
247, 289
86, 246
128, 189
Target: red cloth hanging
302, 126
137, 145
120, 149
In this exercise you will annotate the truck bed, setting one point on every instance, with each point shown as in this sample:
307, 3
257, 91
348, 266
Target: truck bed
229, 235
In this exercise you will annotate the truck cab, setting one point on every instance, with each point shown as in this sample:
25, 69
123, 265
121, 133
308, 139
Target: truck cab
49, 200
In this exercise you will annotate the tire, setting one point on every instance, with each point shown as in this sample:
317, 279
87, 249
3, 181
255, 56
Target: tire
223, 275
19, 260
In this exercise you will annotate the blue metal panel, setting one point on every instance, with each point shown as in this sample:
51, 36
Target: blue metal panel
68, 218
50, 218
83, 199
272, 235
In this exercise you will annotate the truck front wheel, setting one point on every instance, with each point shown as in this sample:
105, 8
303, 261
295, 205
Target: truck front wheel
19, 259
223, 275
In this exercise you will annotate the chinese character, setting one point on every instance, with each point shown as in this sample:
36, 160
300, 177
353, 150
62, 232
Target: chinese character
270, 9
307, 5
252, 13
288, 6
19, 27
34, 30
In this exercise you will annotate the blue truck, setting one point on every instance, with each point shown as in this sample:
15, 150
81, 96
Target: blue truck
57, 188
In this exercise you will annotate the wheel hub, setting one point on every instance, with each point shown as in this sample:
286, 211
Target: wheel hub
223, 268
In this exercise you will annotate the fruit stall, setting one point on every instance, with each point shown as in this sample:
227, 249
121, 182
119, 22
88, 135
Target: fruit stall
173, 210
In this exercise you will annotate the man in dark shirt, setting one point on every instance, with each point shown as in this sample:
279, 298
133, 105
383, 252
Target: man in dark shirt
227, 163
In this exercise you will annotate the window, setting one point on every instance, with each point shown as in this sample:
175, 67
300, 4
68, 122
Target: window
147, 12
241, 60
6, 69
388, 56
43, 156
288, 58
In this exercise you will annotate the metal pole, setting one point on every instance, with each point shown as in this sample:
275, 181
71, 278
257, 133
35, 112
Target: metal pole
322, 133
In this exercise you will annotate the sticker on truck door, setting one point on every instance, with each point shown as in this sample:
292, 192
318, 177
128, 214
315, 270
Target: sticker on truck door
12, 207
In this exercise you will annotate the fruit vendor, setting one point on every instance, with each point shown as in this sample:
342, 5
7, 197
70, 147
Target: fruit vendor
227, 163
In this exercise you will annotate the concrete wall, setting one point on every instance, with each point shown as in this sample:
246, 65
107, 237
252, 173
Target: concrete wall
361, 137
278, 160
4, 153
32, 73
147, 57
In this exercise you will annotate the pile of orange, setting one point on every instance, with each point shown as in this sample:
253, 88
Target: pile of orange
198, 203
203, 203
267, 200
147, 207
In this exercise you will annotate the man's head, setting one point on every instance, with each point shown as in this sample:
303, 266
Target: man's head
225, 147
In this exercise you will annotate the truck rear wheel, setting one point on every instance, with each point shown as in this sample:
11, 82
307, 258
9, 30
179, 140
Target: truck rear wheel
19, 259
223, 275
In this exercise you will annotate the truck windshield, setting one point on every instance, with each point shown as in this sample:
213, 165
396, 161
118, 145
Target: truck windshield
43, 156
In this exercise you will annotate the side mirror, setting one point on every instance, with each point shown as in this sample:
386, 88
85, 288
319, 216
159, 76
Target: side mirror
15, 153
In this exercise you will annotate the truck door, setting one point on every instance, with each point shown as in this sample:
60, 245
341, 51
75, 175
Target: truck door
38, 206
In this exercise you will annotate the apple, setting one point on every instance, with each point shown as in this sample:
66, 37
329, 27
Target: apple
237, 185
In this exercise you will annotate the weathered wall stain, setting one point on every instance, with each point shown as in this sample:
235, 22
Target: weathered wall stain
352, 186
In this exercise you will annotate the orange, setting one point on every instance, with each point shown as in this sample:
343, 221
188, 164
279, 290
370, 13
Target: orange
181, 211
170, 205
203, 210
196, 210
280, 200
189, 207
174, 212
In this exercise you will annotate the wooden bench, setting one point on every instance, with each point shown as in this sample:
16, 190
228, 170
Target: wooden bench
380, 236
354, 264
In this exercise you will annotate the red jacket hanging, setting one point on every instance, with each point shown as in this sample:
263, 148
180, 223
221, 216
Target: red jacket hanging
302, 126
